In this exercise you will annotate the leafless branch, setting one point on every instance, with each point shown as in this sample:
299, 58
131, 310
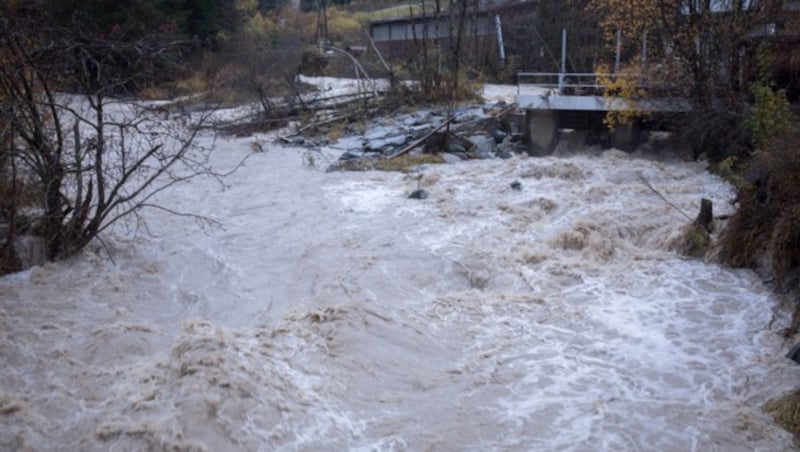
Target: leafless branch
647, 183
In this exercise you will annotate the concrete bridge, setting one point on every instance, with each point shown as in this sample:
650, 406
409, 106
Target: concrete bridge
556, 101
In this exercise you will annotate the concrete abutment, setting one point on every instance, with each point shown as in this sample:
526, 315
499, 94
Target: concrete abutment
542, 130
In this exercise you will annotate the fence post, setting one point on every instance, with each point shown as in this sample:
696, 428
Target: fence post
563, 60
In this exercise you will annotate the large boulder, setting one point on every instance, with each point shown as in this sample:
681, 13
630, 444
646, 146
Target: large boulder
450, 158
485, 146
385, 145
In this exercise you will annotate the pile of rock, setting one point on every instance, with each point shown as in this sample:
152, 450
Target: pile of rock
475, 132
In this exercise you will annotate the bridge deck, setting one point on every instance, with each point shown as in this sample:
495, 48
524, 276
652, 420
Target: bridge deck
599, 103
583, 92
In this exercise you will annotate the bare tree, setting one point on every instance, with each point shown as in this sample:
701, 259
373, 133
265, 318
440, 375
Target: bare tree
441, 49
92, 159
704, 50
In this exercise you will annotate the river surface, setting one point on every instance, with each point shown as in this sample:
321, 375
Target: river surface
331, 312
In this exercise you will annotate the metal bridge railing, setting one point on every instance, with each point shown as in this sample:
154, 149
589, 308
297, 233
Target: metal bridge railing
575, 82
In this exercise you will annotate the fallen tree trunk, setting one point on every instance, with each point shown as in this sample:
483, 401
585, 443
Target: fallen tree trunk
506, 111
422, 139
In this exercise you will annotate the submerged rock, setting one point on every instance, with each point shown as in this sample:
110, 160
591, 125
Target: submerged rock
455, 148
450, 158
503, 154
484, 144
350, 155
499, 136
418, 194
385, 145
794, 353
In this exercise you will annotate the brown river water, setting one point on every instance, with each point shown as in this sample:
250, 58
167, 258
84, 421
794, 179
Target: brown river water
331, 312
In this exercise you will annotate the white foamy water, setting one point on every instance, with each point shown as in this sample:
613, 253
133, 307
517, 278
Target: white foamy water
332, 313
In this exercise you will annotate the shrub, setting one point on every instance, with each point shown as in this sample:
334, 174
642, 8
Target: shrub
620, 88
786, 412
765, 231
89, 170
770, 116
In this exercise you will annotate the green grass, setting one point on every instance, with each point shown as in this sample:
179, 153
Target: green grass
696, 241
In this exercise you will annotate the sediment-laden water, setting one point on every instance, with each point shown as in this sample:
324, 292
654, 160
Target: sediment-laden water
331, 313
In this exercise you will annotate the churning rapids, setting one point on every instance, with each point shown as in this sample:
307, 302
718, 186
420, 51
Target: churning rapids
332, 313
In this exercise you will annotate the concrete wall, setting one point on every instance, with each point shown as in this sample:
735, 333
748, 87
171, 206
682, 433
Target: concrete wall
542, 130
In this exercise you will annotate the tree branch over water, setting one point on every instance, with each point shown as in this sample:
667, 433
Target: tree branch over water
96, 160
650, 186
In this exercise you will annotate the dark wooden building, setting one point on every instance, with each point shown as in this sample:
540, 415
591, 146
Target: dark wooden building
482, 32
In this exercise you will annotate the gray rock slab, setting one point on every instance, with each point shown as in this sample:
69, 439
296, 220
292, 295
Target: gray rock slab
450, 158
351, 155
483, 143
455, 148
387, 143
418, 130
380, 132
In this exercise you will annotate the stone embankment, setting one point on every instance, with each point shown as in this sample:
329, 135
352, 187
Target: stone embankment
464, 133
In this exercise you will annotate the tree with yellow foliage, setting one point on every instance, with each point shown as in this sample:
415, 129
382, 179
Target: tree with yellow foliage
707, 37
699, 49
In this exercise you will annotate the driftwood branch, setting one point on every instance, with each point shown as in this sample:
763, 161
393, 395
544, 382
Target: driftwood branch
505, 111
358, 67
336, 118
646, 182
421, 139
322, 123
380, 57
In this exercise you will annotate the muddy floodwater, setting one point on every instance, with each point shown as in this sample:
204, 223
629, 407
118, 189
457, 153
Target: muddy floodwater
331, 312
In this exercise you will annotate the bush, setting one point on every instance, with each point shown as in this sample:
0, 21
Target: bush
770, 116
64, 161
764, 234
786, 412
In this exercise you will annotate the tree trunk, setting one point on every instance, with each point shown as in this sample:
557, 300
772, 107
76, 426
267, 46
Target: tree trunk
706, 215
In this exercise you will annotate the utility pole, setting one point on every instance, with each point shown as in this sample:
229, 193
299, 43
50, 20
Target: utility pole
322, 25
563, 70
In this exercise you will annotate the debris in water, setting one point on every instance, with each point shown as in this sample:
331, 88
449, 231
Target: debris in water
9, 405
418, 194
794, 353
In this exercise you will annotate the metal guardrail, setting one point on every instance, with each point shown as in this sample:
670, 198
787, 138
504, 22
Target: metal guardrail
577, 81
583, 91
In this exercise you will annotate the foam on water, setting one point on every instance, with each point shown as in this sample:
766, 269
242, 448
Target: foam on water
331, 312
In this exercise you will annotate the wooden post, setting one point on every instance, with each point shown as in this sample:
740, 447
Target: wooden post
706, 215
